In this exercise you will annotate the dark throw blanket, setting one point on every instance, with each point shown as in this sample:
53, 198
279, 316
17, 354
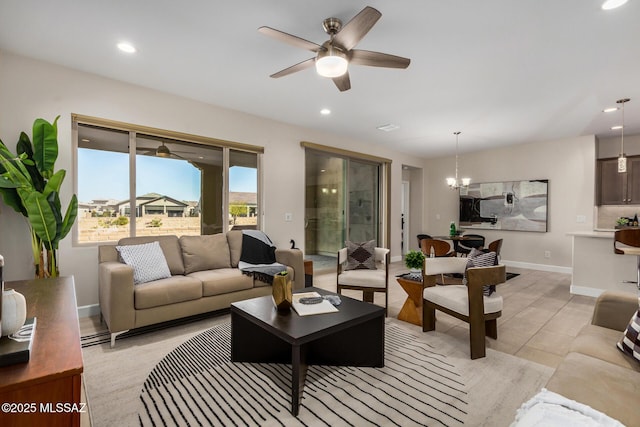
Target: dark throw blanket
258, 257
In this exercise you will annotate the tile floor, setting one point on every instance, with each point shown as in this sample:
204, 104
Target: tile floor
539, 321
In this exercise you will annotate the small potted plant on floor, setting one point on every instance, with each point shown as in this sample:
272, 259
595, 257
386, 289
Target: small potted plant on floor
414, 261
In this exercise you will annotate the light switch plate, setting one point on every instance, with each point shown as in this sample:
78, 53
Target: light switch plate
288, 216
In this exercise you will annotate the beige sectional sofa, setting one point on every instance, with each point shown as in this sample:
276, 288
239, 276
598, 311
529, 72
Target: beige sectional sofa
595, 372
204, 277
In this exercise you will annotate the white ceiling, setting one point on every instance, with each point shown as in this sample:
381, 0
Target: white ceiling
501, 71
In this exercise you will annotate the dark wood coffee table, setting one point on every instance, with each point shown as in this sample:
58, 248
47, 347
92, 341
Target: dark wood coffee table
353, 336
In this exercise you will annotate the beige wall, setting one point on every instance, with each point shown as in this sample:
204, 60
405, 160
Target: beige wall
31, 89
568, 164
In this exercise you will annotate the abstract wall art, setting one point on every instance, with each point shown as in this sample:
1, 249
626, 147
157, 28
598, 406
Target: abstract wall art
509, 205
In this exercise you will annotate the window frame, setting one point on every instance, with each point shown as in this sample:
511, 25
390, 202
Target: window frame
133, 130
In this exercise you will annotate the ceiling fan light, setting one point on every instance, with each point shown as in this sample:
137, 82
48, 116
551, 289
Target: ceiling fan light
331, 63
163, 151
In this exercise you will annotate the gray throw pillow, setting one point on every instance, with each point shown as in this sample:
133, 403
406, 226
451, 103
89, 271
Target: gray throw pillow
207, 252
147, 260
361, 256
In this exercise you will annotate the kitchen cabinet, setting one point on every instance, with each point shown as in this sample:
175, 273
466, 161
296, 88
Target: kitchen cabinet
614, 188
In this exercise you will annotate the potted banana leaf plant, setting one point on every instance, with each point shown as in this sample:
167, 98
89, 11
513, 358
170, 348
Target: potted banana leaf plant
29, 184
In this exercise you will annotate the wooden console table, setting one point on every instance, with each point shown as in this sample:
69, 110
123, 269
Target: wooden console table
46, 390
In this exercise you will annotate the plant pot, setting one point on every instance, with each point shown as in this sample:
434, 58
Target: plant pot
281, 292
14, 311
415, 271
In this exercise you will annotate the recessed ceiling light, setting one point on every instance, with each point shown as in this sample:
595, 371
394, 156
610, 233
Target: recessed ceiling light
325, 111
388, 127
610, 110
612, 4
616, 127
126, 47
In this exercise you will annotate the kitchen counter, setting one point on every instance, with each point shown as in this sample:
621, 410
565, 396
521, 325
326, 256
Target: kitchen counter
600, 234
597, 268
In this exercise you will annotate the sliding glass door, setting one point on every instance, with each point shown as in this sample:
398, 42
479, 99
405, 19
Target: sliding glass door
342, 202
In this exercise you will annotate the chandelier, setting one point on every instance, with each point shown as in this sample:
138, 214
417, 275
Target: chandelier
454, 183
622, 160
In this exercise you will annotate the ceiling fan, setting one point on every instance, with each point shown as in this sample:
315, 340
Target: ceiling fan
163, 151
334, 55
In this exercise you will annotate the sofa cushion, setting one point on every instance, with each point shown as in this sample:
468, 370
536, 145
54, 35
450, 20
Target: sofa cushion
630, 342
600, 342
361, 256
167, 291
170, 247
222, 281
602, 385
456, 298
234, 238
147, 260
361, 277
205, 252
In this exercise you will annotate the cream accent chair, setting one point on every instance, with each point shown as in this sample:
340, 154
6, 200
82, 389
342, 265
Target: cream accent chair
367, 281
465, 302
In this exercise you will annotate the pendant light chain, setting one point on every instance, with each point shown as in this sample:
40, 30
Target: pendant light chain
456, 134
622, 160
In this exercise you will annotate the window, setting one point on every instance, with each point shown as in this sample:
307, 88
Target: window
142, 181
243, 182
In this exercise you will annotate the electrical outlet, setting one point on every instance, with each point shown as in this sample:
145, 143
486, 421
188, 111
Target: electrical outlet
581, 219
547, 254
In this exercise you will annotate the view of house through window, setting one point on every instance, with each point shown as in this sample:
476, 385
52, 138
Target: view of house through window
243, 197
178, 186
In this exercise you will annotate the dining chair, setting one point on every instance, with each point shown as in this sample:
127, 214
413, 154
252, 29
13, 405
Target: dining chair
440, 248
423, 236
463, 247
465, 302
495, 246
369, 281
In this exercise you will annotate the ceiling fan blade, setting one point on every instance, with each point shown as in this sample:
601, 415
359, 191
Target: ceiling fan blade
343, 82
357, 28
377, 59
290, 39
295, 68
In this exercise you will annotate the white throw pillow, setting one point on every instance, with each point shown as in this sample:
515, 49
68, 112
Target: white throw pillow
147, 260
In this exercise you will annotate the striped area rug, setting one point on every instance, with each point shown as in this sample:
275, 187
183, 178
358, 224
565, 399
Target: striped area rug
197, 384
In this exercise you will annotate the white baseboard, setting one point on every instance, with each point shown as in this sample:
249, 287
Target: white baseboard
541, 267
586, 291
89, 310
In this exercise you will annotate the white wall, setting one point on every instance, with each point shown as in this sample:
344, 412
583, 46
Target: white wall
568, 164
31, 89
